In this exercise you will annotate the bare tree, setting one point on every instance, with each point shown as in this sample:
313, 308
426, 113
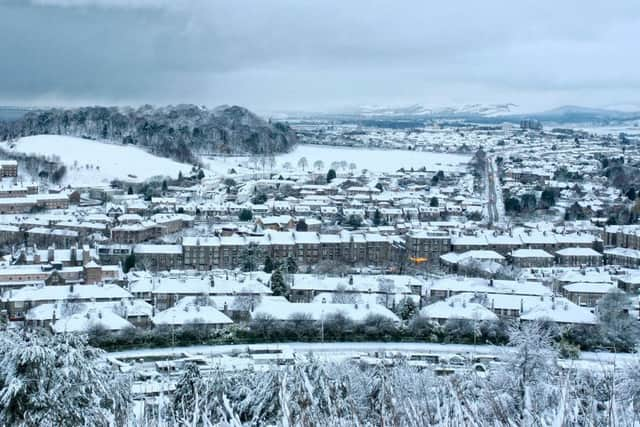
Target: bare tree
303, 163
387, 289
342, 296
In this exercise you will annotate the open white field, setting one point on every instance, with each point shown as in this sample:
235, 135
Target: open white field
373, 159
92, 163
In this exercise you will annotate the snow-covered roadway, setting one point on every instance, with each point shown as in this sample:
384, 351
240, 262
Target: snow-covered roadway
343, 350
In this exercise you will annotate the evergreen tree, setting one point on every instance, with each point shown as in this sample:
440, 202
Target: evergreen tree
407, 308
434, 202
268, 264
278, 285
292, 265
631, 193
130, 190
377, 218
512, 204
528, 202
354, 221
58, 381
301, 225
245, 215
331, 175
129, 262
547, 198
249, 257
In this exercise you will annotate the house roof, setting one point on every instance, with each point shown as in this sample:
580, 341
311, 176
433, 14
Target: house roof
531, 253
187, 311
578, 252
57, 293
589, 287
90, 319
457, 308
561, 311
319, 311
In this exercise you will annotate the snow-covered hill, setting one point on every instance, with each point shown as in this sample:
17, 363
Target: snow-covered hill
417, 110
90, 162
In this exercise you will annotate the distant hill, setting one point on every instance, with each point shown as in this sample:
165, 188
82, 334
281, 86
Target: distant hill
481, 113
8, 113
180, 132
576, 114
413, 112
468, 110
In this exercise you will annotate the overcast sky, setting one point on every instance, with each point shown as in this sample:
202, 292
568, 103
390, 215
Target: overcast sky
277, 55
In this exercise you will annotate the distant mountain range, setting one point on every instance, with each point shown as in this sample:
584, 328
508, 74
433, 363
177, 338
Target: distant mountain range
576, 114
419, 110
490, 113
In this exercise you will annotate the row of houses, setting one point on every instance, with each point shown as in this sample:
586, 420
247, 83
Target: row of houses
623, 236
63, 231
220, 297
228, 249
30, 202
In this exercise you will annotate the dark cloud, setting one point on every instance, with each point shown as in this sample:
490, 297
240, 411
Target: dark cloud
288, 54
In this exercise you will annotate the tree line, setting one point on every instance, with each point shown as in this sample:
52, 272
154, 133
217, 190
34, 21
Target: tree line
180, 132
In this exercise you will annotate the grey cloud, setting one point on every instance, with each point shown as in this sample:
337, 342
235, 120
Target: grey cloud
131, 4
287, 54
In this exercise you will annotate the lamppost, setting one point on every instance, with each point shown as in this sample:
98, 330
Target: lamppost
322, 326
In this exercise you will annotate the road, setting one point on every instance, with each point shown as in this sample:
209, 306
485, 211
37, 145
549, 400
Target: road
341, 350
492, 191
149, 380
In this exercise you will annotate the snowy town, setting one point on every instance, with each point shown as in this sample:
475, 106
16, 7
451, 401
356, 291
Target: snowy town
447, 249
315, 236
331, 214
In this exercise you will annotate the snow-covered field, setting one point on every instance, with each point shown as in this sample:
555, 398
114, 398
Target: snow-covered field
373, 159
630, 129
91, 162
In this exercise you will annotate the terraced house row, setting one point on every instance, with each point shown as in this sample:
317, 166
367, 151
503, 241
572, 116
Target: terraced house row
309, 248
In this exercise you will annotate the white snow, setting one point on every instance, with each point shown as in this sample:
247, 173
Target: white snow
319, 311
187, 311
578, 252
373, 159
457, 308
85, 321
106, 161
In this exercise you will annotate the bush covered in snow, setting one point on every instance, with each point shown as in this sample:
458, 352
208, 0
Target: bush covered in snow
529, 388
58, 381
617, 333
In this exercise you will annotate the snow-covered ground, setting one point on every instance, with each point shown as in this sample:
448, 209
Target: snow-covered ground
92, 163
630, 129
373, 159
